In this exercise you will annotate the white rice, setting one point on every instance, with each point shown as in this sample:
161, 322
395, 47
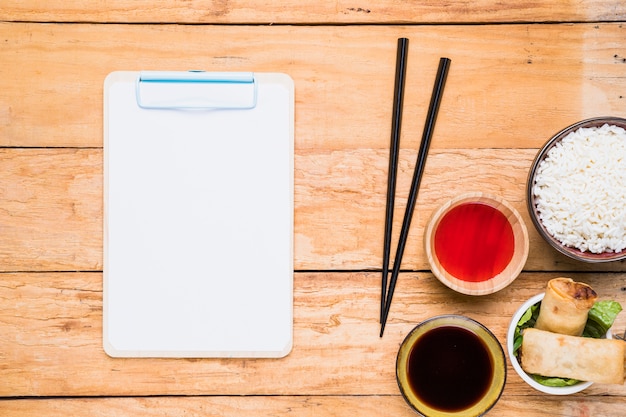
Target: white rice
580, 190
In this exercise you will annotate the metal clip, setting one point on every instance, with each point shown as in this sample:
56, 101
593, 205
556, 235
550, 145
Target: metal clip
196, 90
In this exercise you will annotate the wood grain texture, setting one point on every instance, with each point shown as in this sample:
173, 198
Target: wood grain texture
51, 338
539, 67
512, 91
311, 11
50, 209
52, 216
331, 406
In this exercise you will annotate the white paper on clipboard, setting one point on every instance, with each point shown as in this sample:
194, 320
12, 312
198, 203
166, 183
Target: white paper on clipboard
198, 214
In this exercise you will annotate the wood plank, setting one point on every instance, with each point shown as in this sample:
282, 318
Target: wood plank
340, 200
511, 86
332, 406
510, 91
308, 11
51, 338
51, 209
51, 206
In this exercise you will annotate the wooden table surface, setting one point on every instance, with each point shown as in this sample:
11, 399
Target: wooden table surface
520, 72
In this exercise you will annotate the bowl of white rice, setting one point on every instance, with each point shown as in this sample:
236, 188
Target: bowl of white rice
576, 191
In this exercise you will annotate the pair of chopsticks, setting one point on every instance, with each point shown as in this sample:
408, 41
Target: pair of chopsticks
433, 109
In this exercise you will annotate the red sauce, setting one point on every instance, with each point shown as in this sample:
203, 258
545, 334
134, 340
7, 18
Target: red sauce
474, 242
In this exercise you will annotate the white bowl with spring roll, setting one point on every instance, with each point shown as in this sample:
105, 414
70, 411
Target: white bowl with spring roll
572, 389
565, 363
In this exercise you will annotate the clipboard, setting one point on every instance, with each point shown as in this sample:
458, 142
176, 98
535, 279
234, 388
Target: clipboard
198, 214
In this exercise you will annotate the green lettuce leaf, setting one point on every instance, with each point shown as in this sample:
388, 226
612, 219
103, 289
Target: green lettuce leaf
528, 319
601, 317
550, 381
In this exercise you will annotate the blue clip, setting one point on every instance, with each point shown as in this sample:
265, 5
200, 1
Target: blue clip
196, 90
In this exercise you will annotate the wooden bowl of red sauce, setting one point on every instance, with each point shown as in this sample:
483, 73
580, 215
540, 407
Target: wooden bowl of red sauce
476, 243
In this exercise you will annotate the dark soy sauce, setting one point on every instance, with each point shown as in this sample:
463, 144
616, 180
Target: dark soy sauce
449, 368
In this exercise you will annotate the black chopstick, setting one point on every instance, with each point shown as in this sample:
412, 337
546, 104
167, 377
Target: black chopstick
394, 149
433, 108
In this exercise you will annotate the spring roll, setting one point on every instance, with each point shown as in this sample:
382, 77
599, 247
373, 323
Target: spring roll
565, 306
556, 355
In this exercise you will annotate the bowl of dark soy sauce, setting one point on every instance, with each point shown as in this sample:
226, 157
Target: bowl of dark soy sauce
451, 365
